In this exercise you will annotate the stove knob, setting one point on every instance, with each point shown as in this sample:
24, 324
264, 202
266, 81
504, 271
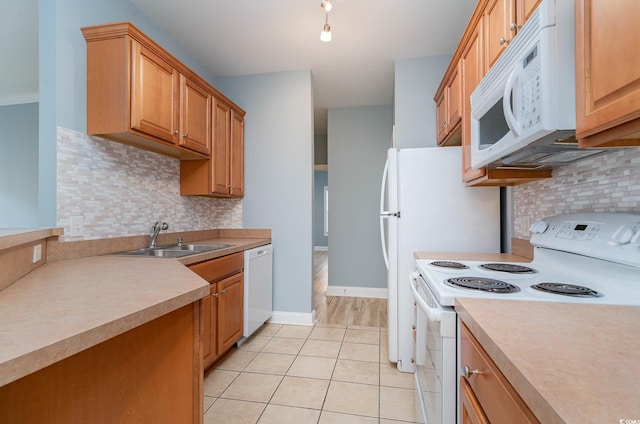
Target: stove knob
623, 235
538, 227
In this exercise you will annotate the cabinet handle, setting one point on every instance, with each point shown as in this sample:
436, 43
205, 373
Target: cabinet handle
185, 135
176, 132
514, 26
504, 41
469, 372
223, 291
215, 295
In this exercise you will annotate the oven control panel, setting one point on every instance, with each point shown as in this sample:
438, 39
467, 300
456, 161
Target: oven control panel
610, 236
578, 230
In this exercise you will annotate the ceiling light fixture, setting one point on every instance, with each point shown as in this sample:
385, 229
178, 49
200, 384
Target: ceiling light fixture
325, 35
326, 5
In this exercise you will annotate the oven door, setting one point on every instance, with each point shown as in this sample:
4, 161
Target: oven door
435, 355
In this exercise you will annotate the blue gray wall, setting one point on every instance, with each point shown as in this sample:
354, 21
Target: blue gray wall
19, 166
279, 175
62, 77
320, 180
358, 139
415, 83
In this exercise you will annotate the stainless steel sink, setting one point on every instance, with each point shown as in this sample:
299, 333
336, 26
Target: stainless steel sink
174, 251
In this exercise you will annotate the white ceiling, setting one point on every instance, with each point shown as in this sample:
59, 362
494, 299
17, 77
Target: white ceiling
240, 37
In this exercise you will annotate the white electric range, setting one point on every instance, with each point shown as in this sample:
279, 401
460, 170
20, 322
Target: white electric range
578, 258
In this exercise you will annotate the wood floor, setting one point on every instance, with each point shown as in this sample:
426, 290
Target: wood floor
341, 309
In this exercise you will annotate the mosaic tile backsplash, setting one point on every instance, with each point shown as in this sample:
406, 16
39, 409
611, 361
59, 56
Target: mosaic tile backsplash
606, 183
121, 190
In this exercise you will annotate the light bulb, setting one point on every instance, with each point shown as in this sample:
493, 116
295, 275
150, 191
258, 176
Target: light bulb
325, 35
326, 5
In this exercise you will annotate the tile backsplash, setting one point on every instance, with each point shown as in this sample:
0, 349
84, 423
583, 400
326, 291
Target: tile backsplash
605, 183
121, 190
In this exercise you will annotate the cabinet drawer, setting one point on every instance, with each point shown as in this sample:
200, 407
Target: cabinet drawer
498, 399
219, 268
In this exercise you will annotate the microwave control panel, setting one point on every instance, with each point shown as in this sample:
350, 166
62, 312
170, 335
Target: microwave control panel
530, 98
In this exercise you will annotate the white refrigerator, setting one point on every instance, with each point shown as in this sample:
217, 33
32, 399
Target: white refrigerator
425, 207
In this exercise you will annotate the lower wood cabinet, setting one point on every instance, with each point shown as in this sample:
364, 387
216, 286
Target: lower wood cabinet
223, 308
470, 410
485, 394
149, 374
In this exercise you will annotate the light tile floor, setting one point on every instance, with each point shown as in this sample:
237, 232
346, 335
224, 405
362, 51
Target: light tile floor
324, 374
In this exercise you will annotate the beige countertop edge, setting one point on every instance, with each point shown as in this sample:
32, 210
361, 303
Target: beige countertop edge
10, 237
458, 256
530, 343
53, 313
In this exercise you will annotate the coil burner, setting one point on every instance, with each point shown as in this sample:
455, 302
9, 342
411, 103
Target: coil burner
566, 289
510, 268
482, 284
449, 264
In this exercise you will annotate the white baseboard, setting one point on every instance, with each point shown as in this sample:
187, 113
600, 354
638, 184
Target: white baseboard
293, 318
376, 293
321, 248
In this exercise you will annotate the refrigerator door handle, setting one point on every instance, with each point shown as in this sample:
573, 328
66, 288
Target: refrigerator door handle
385, 255
383, 186
384, 214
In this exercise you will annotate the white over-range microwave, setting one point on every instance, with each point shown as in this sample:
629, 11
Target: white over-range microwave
523, 112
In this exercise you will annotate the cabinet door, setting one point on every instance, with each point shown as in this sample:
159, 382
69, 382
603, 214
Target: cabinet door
607, 72
195, 116
207, 340
215, 351
154, 95
472, 69
220, 148
441, 117
470, 410
236, 173
497, 18
524, 10
230, 318
454, 100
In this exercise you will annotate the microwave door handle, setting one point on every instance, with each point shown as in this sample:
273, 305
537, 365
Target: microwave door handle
512, 122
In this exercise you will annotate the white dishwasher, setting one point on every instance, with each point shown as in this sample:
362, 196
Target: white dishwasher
258, 288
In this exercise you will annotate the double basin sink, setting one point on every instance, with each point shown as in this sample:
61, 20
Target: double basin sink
174, 251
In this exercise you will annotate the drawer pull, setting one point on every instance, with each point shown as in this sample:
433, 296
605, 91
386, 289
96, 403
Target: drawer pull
468, 372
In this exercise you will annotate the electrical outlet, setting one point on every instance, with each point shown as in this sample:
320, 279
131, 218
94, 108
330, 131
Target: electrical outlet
77, 226
37, 253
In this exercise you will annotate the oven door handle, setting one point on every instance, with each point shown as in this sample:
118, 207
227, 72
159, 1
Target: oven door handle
434, 315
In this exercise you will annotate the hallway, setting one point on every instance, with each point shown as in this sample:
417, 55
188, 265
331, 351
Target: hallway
343, 310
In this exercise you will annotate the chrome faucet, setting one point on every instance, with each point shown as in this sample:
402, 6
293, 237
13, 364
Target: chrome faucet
155, 230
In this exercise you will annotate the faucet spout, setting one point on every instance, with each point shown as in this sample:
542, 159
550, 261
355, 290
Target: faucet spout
155, 230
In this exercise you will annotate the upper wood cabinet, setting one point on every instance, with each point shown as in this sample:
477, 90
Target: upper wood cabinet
195, 116
607, 73
236, 159
502, 20
472, 68
449, 110
139, 94
155, 92
223, 174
